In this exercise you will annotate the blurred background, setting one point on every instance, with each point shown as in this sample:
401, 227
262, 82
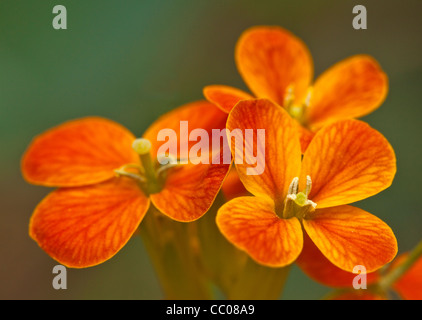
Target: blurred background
133, 60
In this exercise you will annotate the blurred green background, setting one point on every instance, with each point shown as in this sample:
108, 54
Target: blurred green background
133, 60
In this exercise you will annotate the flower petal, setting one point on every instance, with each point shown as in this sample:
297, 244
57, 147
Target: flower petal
251, 225
278, 157
314, 264
225, 97
85, 226
347, 161
306, 136
349, 236
195, 115
409, 286
190, 190
78, 152
352, 88
270, 59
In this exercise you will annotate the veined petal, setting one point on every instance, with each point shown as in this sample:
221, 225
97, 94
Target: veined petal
267, 163
251, 224
348, 236
190, 189
78, 152
180, 123
347, 161
352, 88
270, 59
85, 226
409, 286
314, 264
225, 97
306, 136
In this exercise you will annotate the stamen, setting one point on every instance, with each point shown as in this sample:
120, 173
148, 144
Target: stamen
165, 159
308, 185
132, 166
313, 204
308, 97
293, 186
121, 172
289, 96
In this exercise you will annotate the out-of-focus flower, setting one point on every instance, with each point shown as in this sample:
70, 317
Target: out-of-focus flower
277, 65
379, 284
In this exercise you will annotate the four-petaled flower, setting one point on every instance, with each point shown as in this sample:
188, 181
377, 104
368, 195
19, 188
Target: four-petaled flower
107, 179
345, 162
277, 65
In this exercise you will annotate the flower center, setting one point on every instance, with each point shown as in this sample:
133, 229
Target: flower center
297, 110
151, 175
297, 203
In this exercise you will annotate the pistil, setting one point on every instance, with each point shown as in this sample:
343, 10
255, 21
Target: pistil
143, 147
297, 203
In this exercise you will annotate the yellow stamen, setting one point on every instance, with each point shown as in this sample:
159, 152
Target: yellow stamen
297, 203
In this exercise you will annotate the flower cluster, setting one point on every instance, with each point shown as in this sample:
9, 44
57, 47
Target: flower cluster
318, 159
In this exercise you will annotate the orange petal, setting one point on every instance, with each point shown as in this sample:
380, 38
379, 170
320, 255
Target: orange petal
409, 286
277, 158
233, 187
306, 136
225, 97
352, 88
78, 152
251, 225
348, 236
347, 161
85, 226
270, 59
314, 264
195, 115
190, 190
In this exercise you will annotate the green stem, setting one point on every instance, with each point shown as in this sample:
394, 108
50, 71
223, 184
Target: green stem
390, 278
173, 251
257, 282
237, 275
152, 183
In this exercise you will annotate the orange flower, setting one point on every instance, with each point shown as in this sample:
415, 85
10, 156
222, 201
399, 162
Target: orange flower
277, 65
409, 286
345, 162
106, 187
320, 269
